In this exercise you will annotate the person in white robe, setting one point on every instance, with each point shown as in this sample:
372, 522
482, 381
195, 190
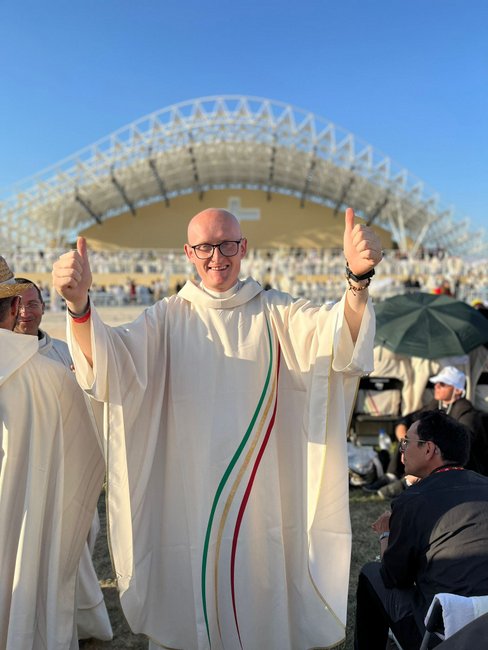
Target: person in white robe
51, 473
226, 415
92, 618
397, 366
479, 386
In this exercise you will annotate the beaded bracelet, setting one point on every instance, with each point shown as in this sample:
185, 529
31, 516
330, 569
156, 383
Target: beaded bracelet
356, 289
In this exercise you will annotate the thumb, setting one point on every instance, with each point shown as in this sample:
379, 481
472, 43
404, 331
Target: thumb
81, 248
349, 220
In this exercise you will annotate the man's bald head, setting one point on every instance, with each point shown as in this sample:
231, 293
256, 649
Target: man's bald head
212, 220
213, 227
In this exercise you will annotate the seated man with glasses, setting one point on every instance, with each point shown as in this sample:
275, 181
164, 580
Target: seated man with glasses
435, 539
449, 396
227, 409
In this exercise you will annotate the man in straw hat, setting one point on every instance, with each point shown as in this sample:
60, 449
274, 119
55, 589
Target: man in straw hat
92, 616
51, 473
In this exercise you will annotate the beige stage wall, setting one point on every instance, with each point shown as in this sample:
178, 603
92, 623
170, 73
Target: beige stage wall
279, 222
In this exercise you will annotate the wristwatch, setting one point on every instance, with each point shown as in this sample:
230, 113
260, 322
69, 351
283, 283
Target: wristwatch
358, 278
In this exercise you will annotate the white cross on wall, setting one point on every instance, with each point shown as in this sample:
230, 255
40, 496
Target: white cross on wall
243, 214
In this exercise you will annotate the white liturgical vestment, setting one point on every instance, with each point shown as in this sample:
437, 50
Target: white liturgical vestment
92, 618
225, 431
51, 473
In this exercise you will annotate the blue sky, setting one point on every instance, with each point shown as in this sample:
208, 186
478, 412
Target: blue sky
410, 77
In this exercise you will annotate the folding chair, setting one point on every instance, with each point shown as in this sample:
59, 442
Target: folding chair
433, 624
378, 406
449, 613
481, 393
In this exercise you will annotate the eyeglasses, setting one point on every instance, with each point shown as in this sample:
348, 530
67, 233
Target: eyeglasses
31, 305
227, 249
406, 441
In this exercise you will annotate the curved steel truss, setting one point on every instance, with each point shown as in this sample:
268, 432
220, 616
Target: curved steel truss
228, 142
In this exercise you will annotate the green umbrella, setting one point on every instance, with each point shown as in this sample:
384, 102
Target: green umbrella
429, 326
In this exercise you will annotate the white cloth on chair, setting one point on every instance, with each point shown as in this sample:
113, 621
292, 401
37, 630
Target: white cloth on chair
458, 611
480, 604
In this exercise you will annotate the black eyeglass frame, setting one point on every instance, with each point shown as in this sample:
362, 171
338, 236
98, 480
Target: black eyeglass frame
403, 444
196, 248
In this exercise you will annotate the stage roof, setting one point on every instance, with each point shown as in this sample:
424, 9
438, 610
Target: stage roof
229, 142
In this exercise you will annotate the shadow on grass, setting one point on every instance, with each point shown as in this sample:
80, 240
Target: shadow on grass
123, 637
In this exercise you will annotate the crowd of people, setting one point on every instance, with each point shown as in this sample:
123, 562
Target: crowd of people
305, 273
222, 414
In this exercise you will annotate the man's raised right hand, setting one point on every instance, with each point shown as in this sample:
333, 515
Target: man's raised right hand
72, 276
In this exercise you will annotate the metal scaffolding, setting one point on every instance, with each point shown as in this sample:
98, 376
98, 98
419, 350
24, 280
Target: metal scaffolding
228, 142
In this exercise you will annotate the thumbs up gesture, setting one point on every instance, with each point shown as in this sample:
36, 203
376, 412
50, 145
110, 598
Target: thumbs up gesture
362, 247
72, 276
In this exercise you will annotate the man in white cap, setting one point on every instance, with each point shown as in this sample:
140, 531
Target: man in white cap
449, 387
51, 473
449, 396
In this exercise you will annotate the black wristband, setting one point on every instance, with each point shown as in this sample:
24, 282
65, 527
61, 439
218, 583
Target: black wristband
82, 313
358, 278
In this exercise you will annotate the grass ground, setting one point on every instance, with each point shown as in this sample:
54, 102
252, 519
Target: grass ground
364, 510
365, 547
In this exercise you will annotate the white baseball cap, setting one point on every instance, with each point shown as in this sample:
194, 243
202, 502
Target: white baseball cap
451, 376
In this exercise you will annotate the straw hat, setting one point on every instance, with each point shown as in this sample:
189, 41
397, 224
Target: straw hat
8, 286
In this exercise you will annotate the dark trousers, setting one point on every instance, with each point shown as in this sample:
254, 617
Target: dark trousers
379, 608
395, 466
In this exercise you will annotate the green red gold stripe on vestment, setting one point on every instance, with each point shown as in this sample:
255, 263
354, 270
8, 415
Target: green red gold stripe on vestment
227, 476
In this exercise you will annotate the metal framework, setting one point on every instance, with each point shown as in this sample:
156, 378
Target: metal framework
229, 142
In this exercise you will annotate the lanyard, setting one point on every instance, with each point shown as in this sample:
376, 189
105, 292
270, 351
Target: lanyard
448, 468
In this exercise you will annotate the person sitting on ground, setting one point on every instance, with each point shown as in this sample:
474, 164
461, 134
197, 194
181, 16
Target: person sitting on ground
449, 390
435, 540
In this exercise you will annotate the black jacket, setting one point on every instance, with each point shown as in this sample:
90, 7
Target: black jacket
439, 537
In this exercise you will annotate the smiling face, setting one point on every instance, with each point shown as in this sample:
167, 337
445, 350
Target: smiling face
30, 312
213, 226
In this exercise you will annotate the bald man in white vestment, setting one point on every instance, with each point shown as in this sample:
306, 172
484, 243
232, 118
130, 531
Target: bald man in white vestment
51, 473
227, 409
